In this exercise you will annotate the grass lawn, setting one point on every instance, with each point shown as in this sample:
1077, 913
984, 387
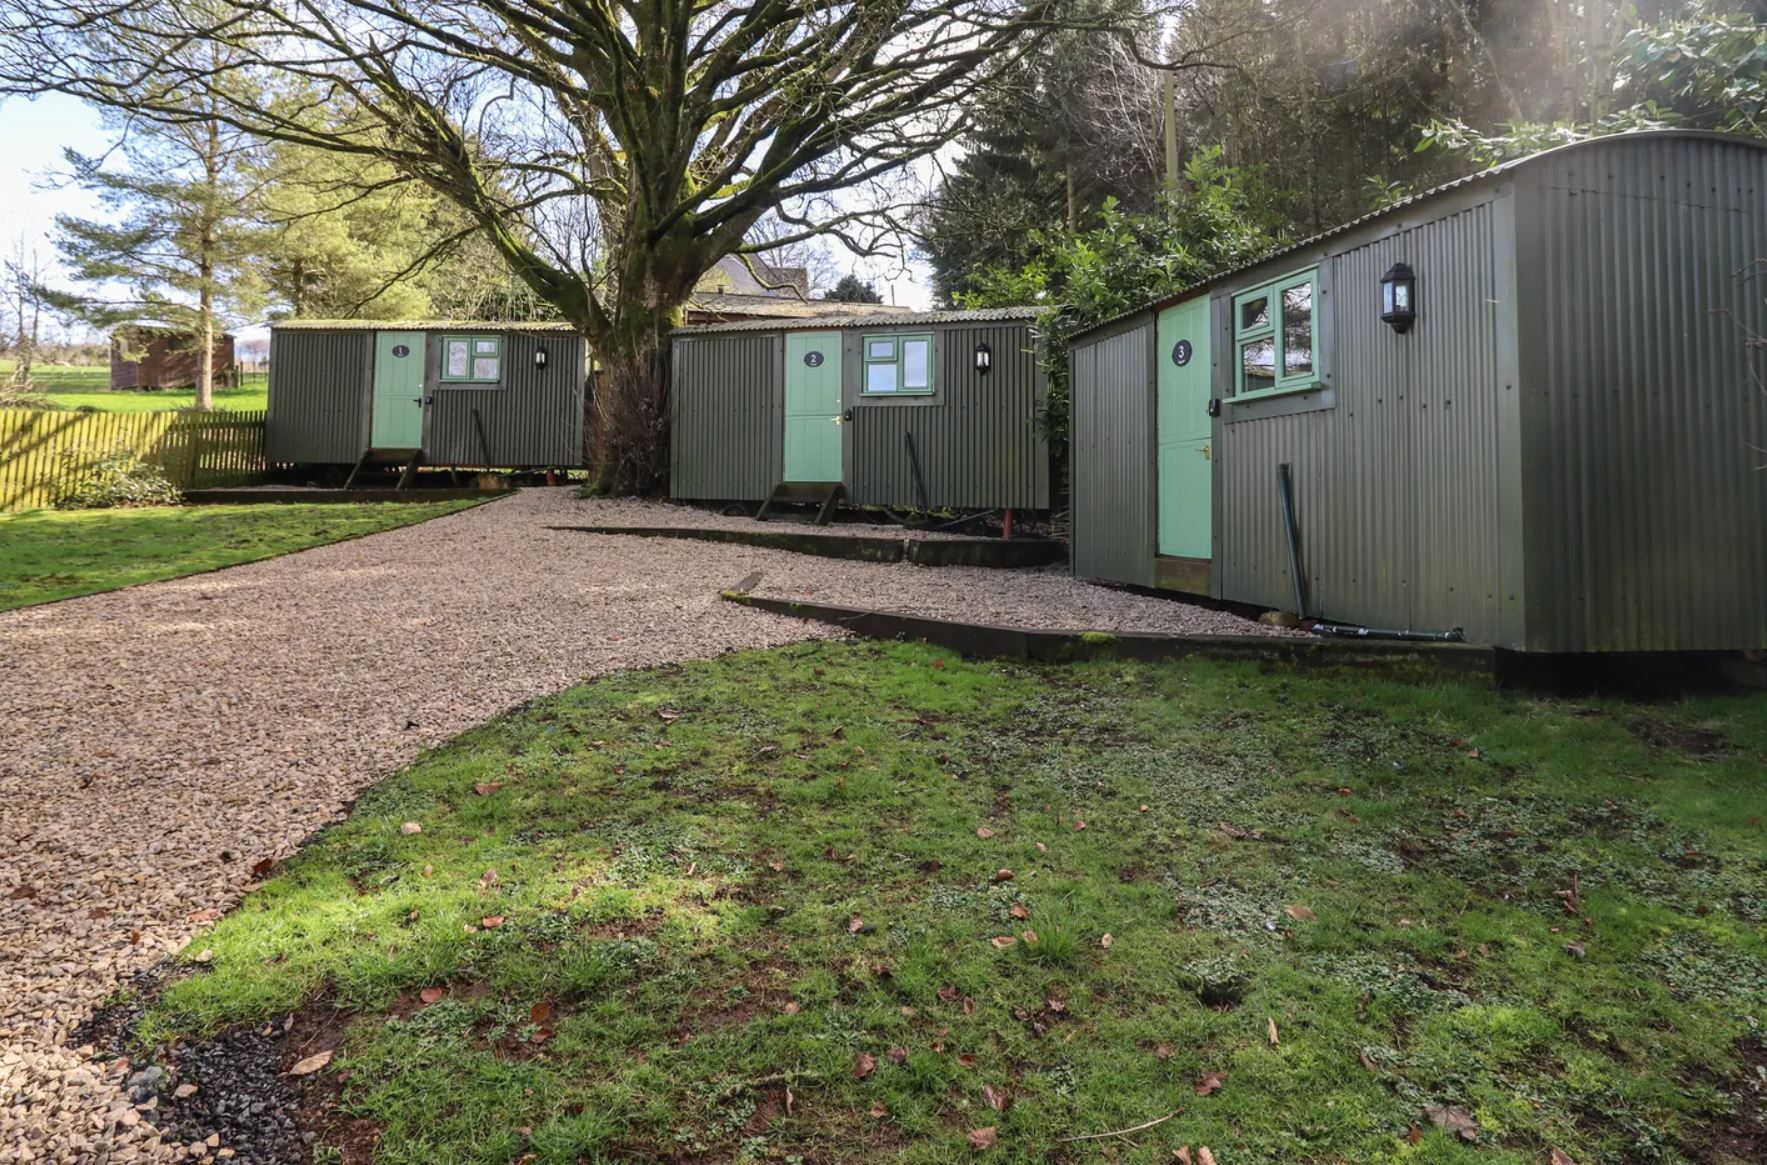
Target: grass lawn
86, 386
845, 902
49, 554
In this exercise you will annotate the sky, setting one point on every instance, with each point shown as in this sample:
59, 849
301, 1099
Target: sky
35, 132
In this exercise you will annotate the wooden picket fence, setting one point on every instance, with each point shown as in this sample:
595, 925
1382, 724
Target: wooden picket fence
45, 453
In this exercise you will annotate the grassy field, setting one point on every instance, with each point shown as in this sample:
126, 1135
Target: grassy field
87, 387
46, 555
858, 902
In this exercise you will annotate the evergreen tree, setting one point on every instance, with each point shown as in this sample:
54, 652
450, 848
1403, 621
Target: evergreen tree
852, 289
177, 247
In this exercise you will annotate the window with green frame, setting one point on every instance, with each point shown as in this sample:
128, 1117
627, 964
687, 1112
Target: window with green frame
472, 360
1276, 336
898, 365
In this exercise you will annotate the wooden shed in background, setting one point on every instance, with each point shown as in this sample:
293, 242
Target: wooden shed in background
151, 356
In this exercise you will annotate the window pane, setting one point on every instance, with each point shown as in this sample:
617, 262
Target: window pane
916, 356
1254, 313
485, 347
881, 350
484, 367
455, 365
1297, 330
880, 378
1258, 360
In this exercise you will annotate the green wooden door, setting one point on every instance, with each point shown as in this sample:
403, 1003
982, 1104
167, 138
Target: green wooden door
1186, 451
813, 406
398, 391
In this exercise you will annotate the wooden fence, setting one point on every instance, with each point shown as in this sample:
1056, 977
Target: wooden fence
45, 453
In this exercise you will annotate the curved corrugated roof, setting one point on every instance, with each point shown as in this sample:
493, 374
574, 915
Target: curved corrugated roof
873, 320
1409, 201
423, 325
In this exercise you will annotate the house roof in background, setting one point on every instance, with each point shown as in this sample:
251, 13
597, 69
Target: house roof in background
867, 315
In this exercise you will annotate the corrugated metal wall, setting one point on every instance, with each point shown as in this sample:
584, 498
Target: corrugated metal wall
1396, 485
727, 434
1111, 475
1647, 509
534, 419
976, 435
318, 409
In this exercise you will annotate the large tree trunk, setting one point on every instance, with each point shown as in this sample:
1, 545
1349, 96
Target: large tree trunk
205, 361
627, 421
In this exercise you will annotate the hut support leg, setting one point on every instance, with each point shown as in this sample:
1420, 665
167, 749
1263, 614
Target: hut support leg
360, 462
410, 471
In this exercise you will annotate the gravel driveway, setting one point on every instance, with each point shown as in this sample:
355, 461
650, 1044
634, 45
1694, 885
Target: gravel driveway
161, 740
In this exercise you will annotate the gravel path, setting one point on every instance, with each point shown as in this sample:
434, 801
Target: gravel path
634, 512
162, 740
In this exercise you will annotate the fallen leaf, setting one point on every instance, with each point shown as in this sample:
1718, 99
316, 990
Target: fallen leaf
789, 1098
947, 993
1002, 875
906, 1010
311, 1064
432, 994
208, 915
1274, 1042
967, 1060
1041, 848
428, 869
1203, 1156
1144, 808
864, 1066
855, 924
1078, 825
203, 956
134, 938
1414, 1135
1367, 1063
1406, 924
984, 832
980, 1139
1162, 1052
1020, 910
488, 879
897, 1054
411, 827
969, 1005
791, 1008
540, 1036
1579, 950
1210, 1083
880, 1110
1106, 942
1182, 1153
1299, 913
486, 788
1056, 1005
1453, 1119
1003, 941
262, 866
997, 1099
541, 1012
1030, 937
1559, 1157
776, 867
491, 921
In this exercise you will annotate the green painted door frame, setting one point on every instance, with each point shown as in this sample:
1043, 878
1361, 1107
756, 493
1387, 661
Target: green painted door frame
813, 407
1186, 450
398, 391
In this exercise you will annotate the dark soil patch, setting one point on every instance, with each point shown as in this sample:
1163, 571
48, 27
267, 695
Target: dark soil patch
1743, 1136
1666, 736
235, 1085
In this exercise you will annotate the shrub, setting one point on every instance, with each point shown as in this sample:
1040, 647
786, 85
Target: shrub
120, 477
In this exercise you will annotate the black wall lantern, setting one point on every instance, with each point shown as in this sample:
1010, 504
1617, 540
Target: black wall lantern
984, 357
1398, 298
539, 357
